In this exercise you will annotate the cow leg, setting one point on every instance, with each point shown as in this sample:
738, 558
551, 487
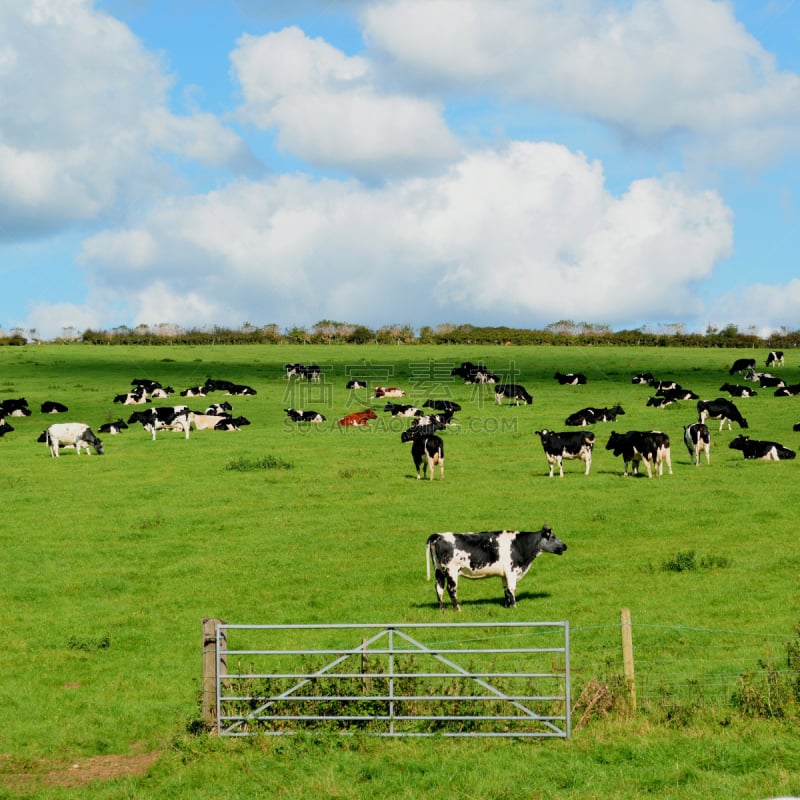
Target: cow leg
452, 589
509, 590
560, 461
588, 459
430, 463
440, 581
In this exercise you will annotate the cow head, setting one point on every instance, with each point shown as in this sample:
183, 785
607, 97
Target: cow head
550, 542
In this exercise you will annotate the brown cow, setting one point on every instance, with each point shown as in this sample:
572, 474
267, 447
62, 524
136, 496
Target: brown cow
358, 418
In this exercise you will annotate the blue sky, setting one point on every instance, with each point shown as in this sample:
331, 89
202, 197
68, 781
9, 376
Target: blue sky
413, 162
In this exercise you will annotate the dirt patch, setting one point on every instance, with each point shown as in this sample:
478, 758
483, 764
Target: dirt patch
80, 772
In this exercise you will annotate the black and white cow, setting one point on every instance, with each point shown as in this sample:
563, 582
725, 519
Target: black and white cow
697, 439
14, 407
5, 428
569, 445
775, 358
504, 554
651, 447
135, 397
448, 406
401, 410
766, 381
742, 365
146, 384
72, 434
767, 451
113, 428
721, 409
311, 373
427, 450
790, 390
473, 373
643, 377
231, 423
590, 415
514, 392
170, 418
356, 384
194, 391
298, 415
570, 378
53, 407
660, 402
220, 409
736, 390
430, 423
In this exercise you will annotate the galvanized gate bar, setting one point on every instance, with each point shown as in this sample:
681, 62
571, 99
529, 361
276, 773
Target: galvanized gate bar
242, 724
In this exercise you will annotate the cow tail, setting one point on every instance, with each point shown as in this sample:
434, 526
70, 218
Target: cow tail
428, 558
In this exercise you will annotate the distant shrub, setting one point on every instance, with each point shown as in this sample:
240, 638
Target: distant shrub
242, 464
686, 560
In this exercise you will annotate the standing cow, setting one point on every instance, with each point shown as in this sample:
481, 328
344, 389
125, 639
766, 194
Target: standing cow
569, 445
72, 434
697, 439
504, 554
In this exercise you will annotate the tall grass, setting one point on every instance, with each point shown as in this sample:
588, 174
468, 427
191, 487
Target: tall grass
110, 563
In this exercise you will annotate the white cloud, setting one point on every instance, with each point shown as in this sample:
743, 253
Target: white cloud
767, 307
328, 111
652, 68
525, 235
83, 118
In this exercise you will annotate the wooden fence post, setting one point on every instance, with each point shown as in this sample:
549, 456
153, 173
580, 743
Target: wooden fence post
627, 656
208, 706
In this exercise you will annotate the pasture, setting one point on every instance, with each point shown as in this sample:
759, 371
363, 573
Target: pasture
110, 563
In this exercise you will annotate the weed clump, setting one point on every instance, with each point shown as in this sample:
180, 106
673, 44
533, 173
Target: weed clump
243, 464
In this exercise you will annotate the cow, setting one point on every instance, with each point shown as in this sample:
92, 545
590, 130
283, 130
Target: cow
697, 439
72, 434
220, 409
448, 406
643, 377
356, 384
676, 392
660, 402
590, 415
113, 428
358, 419
161, 393
5, 428
721, 409
388, 391
742, 365
775, 358
298, 415
651, 447
17, 407
311, 373
736, 390
766, 381
194, 391
205, 422
427, 450
504, 554
231, 423
514, 392
146, 384
400, 410
430, 423
136, 397
474, 373
790, 390
569, 445
570, 378
52, 407
767, 451
171, 418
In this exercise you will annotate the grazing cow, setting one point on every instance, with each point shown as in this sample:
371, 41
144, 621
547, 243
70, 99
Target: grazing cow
311, 373
735, 390
112, 428
72, 434
742, 365
767, 451
505, 554
651, 447
427, 450
52, 407
643, 377
298, 415
514, 392
775, 358
569, 445
789, 390
358, 419
448, 406
388, 391
170, 418
721, 409
231, 423
570, 378
295, 370
697, 439
474, 373
356, 384
400, 410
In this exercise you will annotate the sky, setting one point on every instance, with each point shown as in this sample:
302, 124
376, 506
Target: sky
200, 163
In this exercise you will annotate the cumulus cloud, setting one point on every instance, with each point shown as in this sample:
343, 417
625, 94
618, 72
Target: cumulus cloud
651, 69
327, 110
527, 234
766, 307
84, 119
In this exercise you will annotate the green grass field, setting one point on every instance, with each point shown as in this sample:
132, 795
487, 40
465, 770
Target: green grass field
110, 564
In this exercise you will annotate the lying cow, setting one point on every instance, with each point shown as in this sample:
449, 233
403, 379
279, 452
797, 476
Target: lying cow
53, 407
388, 391
427, 450
737, 390
570, 378
569, 445
448, 406
697, 439
402, 410
72, 434
358, 419
505, 554
590, 415
767, 451
231, 424
721, 409
113, 428
298, 415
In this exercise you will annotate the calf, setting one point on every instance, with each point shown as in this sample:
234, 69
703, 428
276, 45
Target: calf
52, 407
721, 409
298, 415
72, 434
775, 358
742, 365
427, 450
112, 428
358, 419
735, 390
504, 554
569, 445
697, 439
514, 392
570, 378
651, 447
767, 451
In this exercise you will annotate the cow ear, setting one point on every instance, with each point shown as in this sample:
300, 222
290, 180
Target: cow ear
546, 530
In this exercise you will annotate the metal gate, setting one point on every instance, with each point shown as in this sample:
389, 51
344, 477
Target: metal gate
463, 679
